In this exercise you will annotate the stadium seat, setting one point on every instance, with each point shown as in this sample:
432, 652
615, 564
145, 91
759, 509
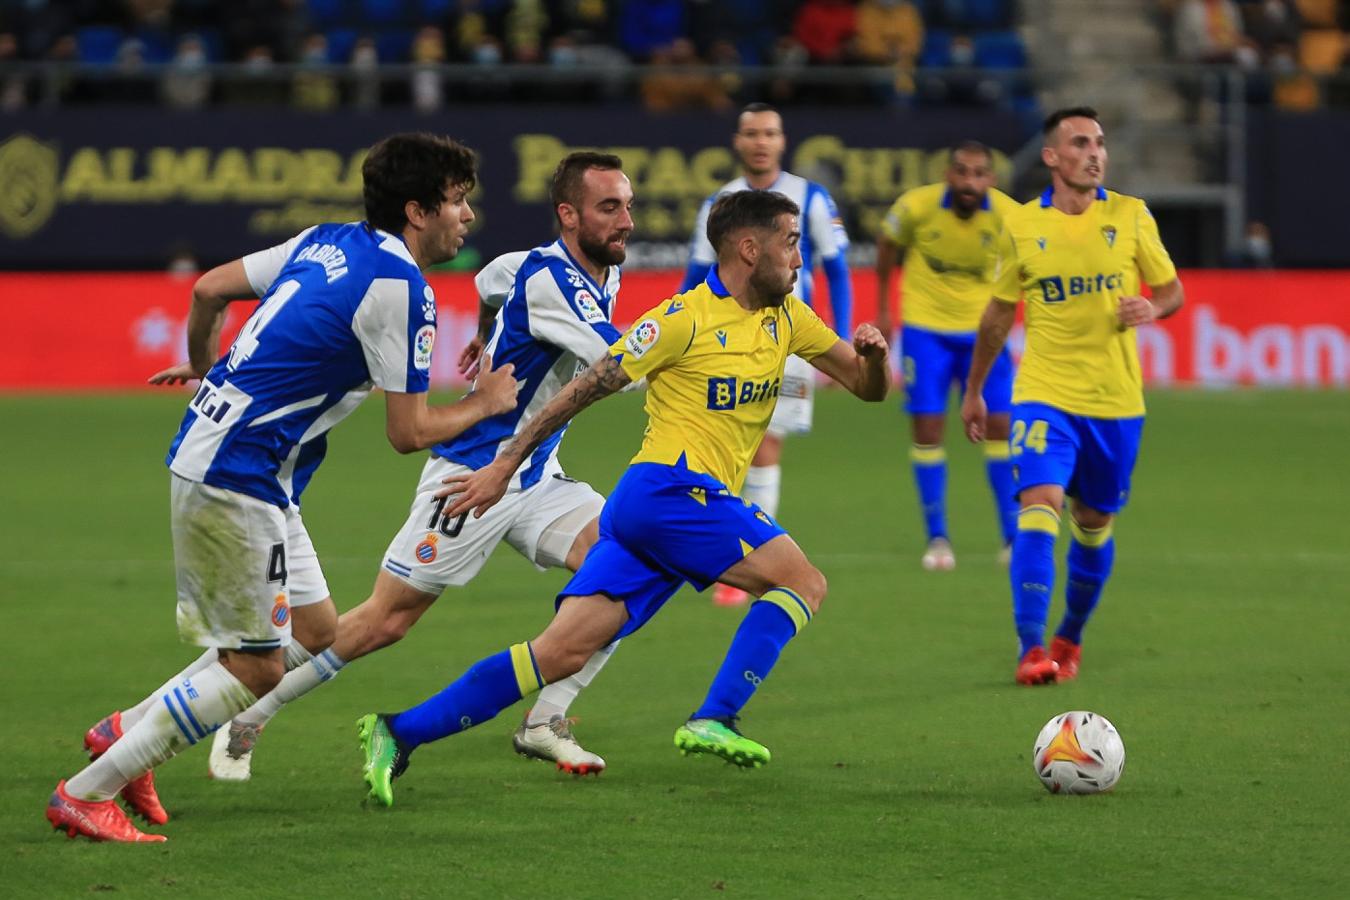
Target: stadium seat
382, 12
394, 46
988, 13
1320, 50
999, 50
327, 12
157, 46
429, 11
340, 44
98, 44
937, 50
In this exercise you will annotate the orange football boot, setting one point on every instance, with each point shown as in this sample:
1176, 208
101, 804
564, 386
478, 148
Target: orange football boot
1068, 655
1036, 668
140, 792
101, 820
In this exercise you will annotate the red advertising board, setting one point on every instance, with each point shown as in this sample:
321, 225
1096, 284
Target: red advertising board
74, 332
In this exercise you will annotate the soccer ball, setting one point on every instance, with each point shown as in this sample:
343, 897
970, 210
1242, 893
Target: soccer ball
1078, 752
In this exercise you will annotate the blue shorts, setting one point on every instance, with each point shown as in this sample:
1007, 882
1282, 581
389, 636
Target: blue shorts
1092, 459
934, 359
663, 526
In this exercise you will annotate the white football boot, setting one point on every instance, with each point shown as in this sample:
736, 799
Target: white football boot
232, 751
553, 742
938, 556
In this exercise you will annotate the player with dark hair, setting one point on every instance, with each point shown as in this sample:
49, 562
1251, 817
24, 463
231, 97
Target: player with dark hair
344, 308
947, 234
1076, 255
713, 358
760, 143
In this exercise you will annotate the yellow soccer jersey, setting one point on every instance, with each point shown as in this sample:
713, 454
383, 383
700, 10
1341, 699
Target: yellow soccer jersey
713, 372
949, 263
1072, 271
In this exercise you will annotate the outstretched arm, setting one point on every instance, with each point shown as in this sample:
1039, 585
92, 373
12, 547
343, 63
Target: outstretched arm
211, 297
995, 324
860, 367
482, 489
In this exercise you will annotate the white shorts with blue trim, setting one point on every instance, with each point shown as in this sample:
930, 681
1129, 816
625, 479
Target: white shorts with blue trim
431, 552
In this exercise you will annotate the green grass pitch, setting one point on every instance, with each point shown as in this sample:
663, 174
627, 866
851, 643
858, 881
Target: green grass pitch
901, 746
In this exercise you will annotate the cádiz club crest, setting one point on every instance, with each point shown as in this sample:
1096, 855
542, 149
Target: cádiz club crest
28, 181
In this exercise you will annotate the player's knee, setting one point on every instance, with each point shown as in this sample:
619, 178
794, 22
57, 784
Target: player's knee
558, 660
813, 588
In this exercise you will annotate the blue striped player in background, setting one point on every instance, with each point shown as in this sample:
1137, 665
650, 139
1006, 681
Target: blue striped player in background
713, 358
948, 234
555, 307
1077, 256
759, 142
344, 308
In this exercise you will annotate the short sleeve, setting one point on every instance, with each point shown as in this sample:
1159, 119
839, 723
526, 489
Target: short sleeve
564, 313
827, 228
700, 248
495, 280
656, 341
1007, 270
898, 224
396, 325
263, 267
1155, 264
810, 336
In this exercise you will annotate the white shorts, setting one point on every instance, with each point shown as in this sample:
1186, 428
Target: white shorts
432, 553
240, 565
796, 399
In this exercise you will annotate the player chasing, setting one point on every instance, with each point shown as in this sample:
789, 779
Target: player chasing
714, 359
558, 299
948, 236
1077, 255
344, 307
759, 142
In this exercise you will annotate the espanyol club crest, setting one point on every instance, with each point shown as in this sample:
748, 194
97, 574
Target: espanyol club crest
281, 611
426, 550
1109, 232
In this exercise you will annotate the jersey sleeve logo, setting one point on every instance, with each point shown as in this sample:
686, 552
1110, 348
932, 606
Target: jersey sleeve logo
586, 305
644, 336
422, 344
428, 304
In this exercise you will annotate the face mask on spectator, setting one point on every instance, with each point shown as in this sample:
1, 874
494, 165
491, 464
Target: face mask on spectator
963, 54
487, 54
1283, 64
1258, 249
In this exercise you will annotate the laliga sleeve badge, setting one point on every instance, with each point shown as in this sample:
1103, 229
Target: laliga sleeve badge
643, 337
426, 550
422, 344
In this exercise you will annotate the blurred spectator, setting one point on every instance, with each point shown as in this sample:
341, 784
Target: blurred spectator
1271, 23
131, 83
365, 65
186, 84
182, 261
790, 55
1257, 251
889, 32
526, 24
428, 52
257, 82
1208, 31
647, 25
670, 89
960, 83
826, 28
13, 88
314, 88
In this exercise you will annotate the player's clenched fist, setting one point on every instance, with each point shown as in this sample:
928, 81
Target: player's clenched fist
497, 387
1133, 311
869, 341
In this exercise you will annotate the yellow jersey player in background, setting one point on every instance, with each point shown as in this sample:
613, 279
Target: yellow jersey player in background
948, 235
1077, 255
713, 358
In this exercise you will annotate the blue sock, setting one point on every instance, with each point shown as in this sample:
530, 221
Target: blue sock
488, 687
772, 621
1032, 573
1090, 557
998, 466
929, 462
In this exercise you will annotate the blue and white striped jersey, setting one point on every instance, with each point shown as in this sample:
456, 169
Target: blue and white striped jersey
555, 322
823, 235
343, 307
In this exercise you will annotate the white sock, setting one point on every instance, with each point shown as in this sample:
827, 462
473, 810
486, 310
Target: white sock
554, 699
187, 712
131, 716
761, 487
299, 681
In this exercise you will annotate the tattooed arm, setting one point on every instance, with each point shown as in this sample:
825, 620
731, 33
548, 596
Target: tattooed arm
484, 488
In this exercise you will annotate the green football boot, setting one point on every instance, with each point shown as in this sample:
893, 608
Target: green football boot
386, 758
720, 737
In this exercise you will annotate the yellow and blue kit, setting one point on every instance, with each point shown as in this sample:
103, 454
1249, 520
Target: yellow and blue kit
948, 274
713, 371
1080, 366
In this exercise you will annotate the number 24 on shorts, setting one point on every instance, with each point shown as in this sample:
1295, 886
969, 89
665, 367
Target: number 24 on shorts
1032, 437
